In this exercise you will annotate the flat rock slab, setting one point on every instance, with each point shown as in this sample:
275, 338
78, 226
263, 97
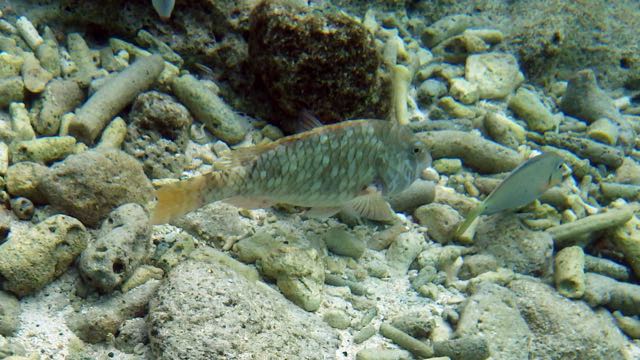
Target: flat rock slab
205, 310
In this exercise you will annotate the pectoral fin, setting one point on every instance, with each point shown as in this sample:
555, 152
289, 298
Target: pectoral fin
372, 206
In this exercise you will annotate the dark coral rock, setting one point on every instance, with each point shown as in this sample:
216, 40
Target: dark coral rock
158, 134
162, 113
322, 62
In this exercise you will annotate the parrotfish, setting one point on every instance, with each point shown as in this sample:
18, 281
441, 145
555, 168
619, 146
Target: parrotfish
353, 166
523, 185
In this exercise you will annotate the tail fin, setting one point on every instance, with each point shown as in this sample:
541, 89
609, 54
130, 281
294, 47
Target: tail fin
477, 211
180, 197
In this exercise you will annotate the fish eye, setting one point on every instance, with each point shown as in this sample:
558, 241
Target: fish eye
417, 148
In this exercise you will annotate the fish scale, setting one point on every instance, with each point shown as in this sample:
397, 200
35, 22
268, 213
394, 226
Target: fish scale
331, 166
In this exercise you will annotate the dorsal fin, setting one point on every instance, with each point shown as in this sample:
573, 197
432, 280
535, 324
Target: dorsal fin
245, 155
307, 121
242, 156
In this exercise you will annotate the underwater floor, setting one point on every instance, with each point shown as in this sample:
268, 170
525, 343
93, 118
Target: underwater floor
319, 180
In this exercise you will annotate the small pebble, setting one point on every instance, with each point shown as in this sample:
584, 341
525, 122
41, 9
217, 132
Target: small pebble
337, 319
364, 334
23, 208
447, 166
342, 242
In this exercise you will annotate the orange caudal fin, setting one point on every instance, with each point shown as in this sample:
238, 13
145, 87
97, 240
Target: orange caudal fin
180, 197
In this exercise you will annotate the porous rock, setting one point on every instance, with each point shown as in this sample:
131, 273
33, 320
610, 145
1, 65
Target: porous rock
95, 321
206, 310
161, 113
299, 274
514, 246
91, 184
158, 134
32, 258
130, 334
565, 329
217, 224
119, 248
493, 314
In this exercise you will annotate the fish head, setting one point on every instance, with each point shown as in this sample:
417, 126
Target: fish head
404, 162
557, 171
421, 156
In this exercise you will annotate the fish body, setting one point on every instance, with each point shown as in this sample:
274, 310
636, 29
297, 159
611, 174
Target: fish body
350, 166
522, 186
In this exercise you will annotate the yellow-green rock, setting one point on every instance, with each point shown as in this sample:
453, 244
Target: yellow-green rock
32, 258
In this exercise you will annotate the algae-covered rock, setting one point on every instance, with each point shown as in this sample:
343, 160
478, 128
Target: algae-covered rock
94, 322
419, 193
9, 314
23, 179
504, 130
206, 310
91, 184
11, 90
119, 248
43, 150
326, 55
441, 221
210, 109
299, 274
514, 246
475, 151
626, 238
628, 172
34, 76
60, 96
342, 242
114, 96
528, 106
601, 290
32, 258
416, 323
